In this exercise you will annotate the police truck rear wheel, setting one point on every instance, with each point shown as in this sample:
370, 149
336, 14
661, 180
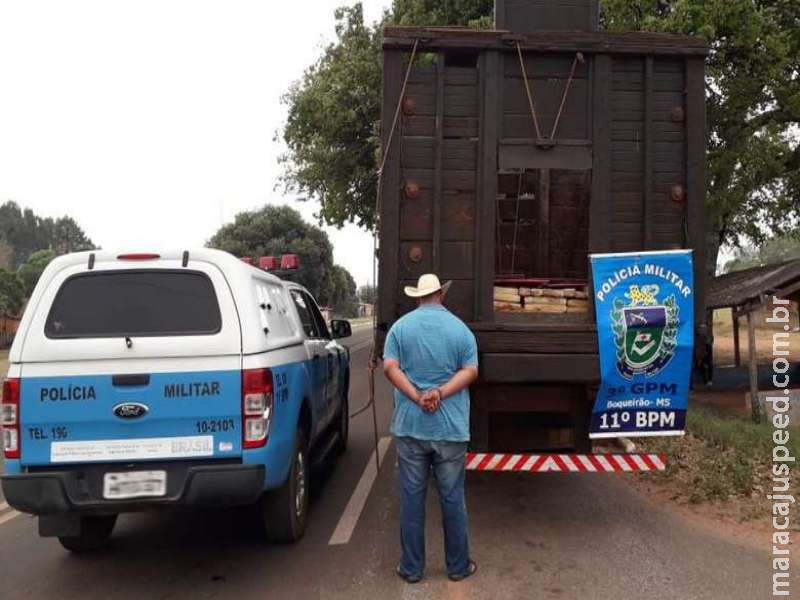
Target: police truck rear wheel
286, 508
95, 532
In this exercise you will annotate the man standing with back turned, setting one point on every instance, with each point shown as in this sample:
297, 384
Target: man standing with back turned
431, 358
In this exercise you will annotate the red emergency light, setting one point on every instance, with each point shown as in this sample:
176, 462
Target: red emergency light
138, 256
290, 262
268, 263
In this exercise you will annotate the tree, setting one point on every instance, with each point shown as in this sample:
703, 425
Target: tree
474, 13
6, 254
24, 233
368, 294
753, 105
32, 269
12, 295
753, 93
66, 236
278, 230
773, 251
344, 301
332, 130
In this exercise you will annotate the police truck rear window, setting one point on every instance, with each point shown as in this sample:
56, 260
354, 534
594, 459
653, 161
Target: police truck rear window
134, 303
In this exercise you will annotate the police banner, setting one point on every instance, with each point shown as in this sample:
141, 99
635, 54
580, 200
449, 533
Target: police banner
644, 304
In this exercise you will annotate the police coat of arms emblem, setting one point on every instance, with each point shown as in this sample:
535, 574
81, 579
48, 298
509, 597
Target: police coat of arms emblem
645, 332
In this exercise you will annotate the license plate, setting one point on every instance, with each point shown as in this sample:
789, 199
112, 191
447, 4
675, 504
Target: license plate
134, 484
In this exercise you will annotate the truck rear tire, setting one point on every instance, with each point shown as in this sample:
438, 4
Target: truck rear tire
284, 510
95, 533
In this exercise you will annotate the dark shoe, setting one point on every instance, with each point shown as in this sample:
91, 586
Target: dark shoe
471, 569
408, 578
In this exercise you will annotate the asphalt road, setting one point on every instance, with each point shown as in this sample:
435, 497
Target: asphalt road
546, 536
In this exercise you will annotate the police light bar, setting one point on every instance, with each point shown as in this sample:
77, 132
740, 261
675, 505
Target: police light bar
290, 262
268, 263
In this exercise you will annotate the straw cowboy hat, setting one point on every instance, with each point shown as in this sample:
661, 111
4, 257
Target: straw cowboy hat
428, 284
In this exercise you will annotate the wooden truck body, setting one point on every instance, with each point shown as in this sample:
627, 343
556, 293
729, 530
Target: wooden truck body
519, 151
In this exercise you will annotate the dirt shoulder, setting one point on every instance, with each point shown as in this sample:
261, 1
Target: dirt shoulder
720, 472
746, 521
724, 341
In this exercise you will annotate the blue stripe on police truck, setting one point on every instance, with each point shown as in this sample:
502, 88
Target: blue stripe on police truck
72, 419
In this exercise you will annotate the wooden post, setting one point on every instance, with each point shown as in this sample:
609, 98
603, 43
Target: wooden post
737, 353
696, 190
543, 196
437, 166
751, 335
600, 231
490, 68
389, 219
649, 142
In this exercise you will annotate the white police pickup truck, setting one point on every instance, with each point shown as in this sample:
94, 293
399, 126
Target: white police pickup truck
141, 381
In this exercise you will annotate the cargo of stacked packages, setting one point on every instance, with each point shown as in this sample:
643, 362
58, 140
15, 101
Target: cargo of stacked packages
540, 300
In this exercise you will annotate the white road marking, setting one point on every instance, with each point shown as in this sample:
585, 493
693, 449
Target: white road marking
352, 512
7, 517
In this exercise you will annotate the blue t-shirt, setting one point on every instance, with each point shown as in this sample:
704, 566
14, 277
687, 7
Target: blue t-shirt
431, 344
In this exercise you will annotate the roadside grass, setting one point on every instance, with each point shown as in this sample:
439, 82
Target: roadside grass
721, 458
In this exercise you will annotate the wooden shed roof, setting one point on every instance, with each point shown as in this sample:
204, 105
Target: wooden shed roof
742, 288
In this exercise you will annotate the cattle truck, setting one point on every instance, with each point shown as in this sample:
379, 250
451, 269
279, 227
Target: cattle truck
515, 153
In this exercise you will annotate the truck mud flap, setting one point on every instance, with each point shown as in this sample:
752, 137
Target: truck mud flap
565, 463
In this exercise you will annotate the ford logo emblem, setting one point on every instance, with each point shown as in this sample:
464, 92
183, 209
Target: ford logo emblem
130, 410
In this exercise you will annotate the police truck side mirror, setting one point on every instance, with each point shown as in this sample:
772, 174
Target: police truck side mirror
341, 329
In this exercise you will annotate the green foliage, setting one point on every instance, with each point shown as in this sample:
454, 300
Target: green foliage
722, 457
368, 294
332, 127
473, 13
774, 251
344, 301
753, 93
753, 104
32, 269
66, 236
12, 294
332, 130
22, 233
278, 230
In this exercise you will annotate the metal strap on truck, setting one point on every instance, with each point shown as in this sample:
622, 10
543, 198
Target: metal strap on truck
565, 463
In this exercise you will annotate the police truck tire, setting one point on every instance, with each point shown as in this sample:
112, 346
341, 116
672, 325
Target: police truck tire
95, 533
285, 509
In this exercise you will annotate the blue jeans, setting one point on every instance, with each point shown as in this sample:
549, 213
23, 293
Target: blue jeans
416, 459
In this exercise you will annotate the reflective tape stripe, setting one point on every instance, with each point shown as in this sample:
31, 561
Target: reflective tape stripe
565, 463
473, 461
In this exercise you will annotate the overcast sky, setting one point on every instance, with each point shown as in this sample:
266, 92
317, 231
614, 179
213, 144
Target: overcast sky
152, 122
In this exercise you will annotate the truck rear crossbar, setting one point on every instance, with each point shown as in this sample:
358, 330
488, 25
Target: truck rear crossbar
565, 463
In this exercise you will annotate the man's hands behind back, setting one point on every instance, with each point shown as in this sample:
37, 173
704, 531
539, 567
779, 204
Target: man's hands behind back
430, 400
